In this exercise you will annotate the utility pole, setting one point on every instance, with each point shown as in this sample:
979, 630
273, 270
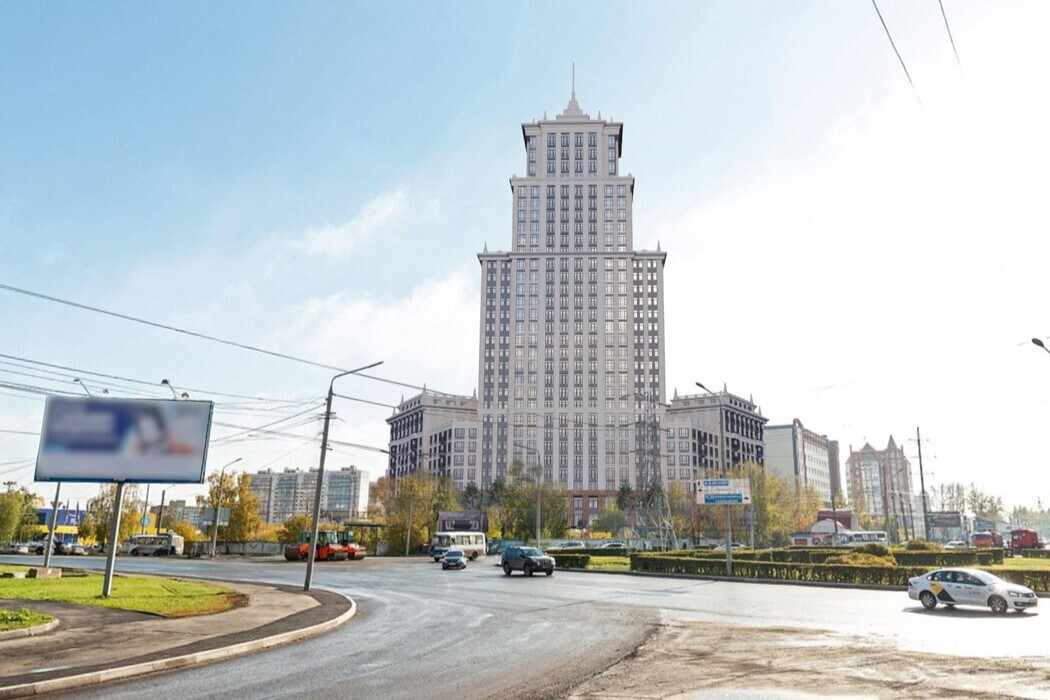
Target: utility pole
160, 514
145, 511
922, 484
320, 474
408, 530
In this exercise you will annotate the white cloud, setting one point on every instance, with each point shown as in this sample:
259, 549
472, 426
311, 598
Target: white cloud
886, 281
383, 213
429, 335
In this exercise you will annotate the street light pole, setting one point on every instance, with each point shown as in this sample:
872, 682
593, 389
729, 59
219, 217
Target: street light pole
320, 473
724, 468
215, 511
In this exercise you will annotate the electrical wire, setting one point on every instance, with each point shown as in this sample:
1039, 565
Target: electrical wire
202, 336
890, 37
950, 37
133, 380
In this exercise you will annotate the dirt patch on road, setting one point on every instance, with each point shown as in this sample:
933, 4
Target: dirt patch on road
684, 658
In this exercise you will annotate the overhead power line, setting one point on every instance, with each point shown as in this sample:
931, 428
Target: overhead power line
202, 336
950, 37
890, 37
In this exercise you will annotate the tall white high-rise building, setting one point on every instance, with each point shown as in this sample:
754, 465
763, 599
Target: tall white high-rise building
571, 316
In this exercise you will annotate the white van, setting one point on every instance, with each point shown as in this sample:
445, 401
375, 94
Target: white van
472, 544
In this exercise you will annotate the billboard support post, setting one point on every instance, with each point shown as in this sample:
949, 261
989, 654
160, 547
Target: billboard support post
50, 545
114, 534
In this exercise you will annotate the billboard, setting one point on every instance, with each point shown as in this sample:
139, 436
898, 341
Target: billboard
134, 440
947, 519
723, 491
208, 516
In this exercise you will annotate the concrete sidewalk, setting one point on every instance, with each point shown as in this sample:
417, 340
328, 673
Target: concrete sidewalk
93, 645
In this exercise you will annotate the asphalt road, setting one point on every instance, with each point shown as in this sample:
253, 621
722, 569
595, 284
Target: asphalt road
422, 632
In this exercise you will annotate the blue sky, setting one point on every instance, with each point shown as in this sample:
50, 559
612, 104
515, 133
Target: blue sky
318, 179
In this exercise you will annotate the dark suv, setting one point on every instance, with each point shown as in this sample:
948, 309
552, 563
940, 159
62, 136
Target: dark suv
527, 559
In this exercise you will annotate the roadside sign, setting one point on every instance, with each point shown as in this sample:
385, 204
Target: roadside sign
145, 521
723, 491
947, 519
208, 516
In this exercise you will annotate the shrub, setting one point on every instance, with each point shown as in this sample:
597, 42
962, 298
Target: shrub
923, 546
1035, 553
591, 551
571, 561
861, 559
879, 550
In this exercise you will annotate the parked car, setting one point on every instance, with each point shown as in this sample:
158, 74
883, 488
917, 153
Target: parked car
613, 545
527, 560
571, 544
15, 548
953, 587
956, 544
59, 548
78, 549
454, 559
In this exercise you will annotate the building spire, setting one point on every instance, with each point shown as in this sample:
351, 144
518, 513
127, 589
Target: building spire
573, 108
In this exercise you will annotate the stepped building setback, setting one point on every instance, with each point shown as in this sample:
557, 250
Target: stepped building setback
571, 372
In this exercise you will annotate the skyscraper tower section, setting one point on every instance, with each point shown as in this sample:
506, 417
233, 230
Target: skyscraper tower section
571, 350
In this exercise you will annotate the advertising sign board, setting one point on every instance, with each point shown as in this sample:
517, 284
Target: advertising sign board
208, 516
132, 440
947, 519
723, 491
981, 525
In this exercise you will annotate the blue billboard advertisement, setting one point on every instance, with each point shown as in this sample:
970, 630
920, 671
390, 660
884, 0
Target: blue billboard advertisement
133, 440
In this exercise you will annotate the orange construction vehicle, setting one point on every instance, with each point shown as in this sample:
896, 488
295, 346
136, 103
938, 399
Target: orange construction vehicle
329, 547
354, 549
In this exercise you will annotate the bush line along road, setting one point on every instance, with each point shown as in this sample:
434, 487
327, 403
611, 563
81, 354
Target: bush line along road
425, 632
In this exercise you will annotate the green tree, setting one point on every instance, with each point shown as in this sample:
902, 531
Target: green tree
245, 520
293, 527
625, 498
187, 531
11, 504
471, 496
95, 525
611, 520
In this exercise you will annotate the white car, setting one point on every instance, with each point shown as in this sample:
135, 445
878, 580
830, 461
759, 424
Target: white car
969, 587
15, 548
956, 544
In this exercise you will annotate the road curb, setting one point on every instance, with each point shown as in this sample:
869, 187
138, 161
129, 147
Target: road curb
776, 581
178, 662
29, 631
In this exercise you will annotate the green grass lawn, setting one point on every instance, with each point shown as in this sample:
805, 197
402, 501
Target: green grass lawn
160, 596
11, 569
1022, 563
610, 563
19, 619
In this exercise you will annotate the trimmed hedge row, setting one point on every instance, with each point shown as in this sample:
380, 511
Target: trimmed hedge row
571, 561
814, 555
591, 551
1037, 580
1035, 553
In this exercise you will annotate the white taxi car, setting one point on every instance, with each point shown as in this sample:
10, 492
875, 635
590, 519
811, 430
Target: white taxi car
970, 587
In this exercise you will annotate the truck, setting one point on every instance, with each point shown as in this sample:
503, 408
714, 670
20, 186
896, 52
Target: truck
1023, 539
987, 539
